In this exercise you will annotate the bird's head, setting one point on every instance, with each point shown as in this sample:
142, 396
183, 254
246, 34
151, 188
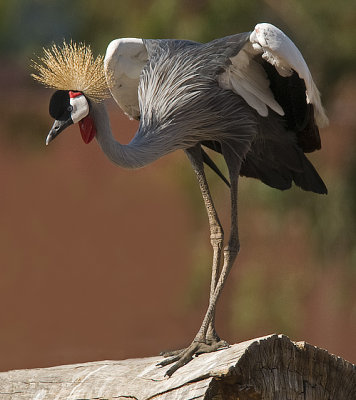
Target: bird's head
69, 107
79, 79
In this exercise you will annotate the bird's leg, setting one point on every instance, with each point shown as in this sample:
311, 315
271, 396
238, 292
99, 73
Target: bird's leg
233, 247
216, 230
216, 238
199, 344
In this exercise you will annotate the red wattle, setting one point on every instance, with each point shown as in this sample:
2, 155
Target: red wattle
87, 129
72, 94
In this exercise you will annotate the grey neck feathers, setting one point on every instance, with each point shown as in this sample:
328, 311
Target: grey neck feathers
133, 155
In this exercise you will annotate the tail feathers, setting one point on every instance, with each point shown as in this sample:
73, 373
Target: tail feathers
281, 172
267, 174
275, 163
309, 179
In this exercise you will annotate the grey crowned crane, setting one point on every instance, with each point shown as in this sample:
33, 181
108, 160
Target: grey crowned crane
249, 96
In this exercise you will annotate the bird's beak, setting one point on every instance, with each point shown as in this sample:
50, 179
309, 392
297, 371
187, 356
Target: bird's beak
57, 128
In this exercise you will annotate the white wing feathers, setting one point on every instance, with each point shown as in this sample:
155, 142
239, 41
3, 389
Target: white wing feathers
123, 63
125, 59
246, 77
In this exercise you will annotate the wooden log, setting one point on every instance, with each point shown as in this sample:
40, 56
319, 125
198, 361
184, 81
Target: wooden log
269, 368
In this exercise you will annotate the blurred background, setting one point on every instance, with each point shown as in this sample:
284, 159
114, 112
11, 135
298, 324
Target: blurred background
98, 263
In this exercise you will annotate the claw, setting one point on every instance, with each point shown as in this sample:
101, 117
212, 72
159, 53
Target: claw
168, 361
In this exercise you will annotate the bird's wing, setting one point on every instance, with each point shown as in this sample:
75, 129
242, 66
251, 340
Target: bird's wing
247, 75
123, 63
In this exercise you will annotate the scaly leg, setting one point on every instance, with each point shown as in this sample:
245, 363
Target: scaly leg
216, 231
200, 343
216, 238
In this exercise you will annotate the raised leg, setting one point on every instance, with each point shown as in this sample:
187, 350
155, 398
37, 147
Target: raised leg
202, 342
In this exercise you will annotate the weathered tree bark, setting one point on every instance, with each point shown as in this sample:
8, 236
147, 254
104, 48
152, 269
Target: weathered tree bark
268, 368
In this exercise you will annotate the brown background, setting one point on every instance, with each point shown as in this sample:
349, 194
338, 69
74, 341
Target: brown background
101, 263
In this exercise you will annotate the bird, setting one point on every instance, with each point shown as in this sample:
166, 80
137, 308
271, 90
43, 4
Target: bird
248, 96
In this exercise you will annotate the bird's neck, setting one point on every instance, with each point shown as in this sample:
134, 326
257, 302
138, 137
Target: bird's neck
133, 155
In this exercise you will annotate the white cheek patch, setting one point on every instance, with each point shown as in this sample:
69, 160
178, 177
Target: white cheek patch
80, 108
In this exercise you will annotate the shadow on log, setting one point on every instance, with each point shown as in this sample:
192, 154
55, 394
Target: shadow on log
269, 368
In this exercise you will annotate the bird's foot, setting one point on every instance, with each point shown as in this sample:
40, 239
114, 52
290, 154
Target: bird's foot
211, 340
183, 356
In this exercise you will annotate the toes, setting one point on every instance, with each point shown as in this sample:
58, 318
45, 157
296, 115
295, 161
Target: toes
209, 348
222, 344
204, 348
168, 361
171, 353
184, 359
181, 355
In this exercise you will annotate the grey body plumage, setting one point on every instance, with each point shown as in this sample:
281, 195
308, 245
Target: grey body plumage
183, 105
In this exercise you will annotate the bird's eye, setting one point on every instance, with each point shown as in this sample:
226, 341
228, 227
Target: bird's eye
70, 108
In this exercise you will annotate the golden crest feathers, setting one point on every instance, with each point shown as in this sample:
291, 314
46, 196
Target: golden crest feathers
72, 67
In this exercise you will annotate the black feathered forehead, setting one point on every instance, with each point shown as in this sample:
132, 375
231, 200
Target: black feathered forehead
59, 105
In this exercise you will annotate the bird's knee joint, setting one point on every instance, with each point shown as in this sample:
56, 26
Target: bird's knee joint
216, 231
232, 250
217, 238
